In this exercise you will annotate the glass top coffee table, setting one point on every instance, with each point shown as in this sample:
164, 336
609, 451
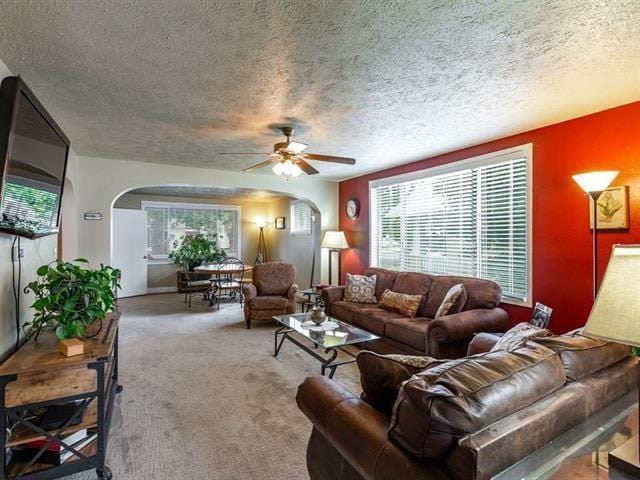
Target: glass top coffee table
332, 336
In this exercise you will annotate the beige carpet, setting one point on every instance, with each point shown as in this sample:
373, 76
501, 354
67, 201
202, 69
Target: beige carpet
204, 398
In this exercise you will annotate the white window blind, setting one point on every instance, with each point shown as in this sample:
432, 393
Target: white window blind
469, 219
167, 222
300, 218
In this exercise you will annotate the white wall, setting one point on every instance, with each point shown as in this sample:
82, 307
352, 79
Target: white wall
101, 181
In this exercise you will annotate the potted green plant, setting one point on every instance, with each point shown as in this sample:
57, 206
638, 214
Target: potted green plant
72, 296
195, 250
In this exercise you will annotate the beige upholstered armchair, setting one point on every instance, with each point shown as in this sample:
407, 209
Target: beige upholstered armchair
273, 291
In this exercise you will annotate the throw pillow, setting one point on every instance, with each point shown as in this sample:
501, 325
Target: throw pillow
407, 305
518, 336
382, 376
360, 289
453, 302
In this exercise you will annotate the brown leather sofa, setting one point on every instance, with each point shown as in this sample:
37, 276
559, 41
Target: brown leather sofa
465, 419
445, 337
273, 292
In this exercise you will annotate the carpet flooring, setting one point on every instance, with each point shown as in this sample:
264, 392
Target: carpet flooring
204, 399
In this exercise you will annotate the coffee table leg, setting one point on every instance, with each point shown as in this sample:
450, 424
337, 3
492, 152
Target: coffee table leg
278, 345
326, 364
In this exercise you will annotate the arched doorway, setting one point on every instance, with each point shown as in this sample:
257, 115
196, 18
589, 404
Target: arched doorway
171, 208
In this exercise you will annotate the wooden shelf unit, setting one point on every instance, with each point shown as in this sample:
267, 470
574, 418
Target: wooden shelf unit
37, 376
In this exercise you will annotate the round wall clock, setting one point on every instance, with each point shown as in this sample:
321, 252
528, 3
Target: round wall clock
352, 208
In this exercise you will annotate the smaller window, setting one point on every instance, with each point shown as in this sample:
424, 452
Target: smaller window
300, 218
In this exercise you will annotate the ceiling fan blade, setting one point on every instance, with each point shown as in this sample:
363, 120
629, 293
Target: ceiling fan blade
329, 158
243, 153
306, 168
259, 165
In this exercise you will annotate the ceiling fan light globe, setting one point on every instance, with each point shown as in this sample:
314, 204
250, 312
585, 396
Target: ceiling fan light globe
278, 168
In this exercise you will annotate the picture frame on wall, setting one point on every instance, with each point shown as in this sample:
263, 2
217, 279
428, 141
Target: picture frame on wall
281, 223
613, 209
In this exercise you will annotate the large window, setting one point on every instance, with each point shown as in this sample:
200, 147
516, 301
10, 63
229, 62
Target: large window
470, 218
168, 222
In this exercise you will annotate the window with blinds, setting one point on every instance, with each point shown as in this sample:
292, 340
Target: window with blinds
168, 222
470, 218
300, 218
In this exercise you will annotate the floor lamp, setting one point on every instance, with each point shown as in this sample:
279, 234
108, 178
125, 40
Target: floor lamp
594, 183
334, 242
261, 255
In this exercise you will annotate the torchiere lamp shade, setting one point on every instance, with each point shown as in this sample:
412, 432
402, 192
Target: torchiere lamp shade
616, 312
595, 181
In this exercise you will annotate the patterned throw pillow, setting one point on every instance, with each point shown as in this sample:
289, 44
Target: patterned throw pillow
382, 376
407, 305
518, 336
360, 289
453, 301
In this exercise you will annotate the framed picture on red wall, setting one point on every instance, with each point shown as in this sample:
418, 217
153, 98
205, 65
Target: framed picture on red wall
613, 209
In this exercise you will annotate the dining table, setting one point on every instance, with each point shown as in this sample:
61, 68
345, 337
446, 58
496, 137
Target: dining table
224, 270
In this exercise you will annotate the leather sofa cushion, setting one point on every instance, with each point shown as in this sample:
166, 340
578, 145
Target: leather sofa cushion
381, 376
439, 405
373, 319
384, 279
410, 331
268, 302
344, 310
480, 293
412, 283
581, 356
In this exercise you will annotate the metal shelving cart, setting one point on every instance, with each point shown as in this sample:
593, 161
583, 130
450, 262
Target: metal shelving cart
36, 377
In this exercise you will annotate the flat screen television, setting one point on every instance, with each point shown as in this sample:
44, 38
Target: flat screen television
33, 163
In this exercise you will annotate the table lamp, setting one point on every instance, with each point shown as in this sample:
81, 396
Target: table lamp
594, 183
616, 317
334, 241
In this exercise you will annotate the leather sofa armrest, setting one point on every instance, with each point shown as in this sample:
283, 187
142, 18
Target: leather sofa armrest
330, 295
358, 432
249, 291
461, 326
483, 342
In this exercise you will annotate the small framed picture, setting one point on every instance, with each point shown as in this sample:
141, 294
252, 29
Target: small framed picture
541, 316
613, 209
280, 223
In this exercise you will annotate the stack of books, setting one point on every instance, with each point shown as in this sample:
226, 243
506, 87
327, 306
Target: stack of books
55, 453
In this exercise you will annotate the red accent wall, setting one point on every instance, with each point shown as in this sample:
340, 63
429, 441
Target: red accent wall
608, 140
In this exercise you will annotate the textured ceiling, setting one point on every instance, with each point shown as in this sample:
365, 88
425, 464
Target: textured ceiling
228, 193
383, 81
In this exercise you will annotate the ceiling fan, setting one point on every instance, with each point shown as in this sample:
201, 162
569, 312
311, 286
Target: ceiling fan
288, 159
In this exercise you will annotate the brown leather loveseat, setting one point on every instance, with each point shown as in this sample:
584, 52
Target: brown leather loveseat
445, 337
465, 419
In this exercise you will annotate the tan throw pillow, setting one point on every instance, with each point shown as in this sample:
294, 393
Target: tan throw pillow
517, 337
382, 376
360, 289
453, 301
407, 305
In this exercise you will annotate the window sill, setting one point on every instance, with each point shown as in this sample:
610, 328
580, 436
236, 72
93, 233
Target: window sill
517, 303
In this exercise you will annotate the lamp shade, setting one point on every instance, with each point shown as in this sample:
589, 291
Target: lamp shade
595, 181
334, 240
616, 313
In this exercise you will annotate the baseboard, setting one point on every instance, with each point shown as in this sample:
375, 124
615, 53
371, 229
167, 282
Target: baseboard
162, 290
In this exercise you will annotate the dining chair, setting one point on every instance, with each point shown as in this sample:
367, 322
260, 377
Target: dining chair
229, 279
195, 282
